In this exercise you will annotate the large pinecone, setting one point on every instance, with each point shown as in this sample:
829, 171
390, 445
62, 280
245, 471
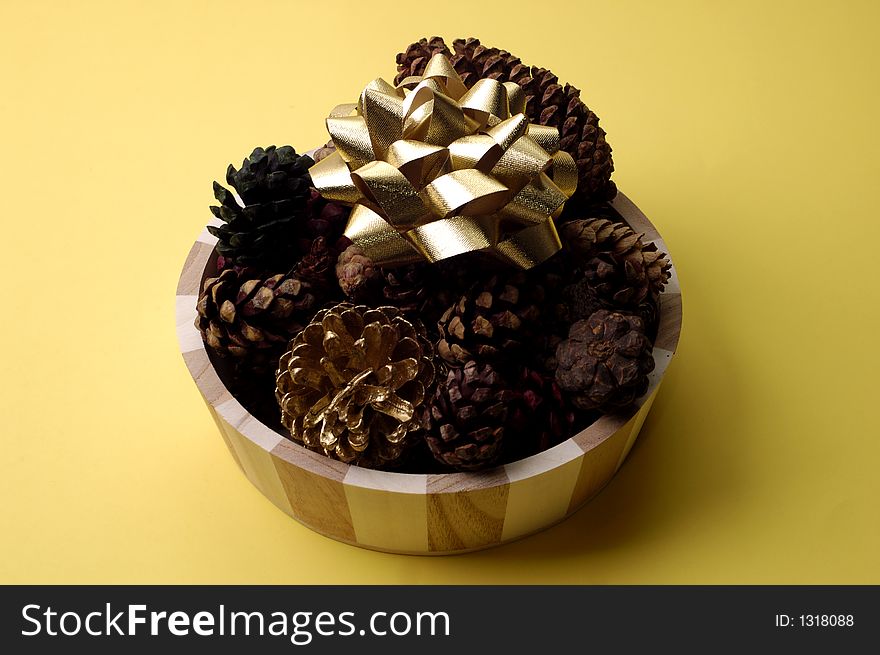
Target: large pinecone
547, 103
605, 361
495, 321
252, 317
354, 382
624, 271
469, 416
280, 217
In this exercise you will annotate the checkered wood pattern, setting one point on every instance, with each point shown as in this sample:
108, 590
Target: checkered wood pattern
422, 514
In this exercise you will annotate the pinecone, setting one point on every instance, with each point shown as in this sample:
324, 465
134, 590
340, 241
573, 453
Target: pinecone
318, 268
605, 361
358, 277
577, 301
274, 186
324, 151
543, 416
427, 290
468, 416
493, 321
408, 287
547, 103
622, 269
325, 218
353, 384
251, 317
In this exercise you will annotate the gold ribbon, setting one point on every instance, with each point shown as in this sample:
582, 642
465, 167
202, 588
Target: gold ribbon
433, 170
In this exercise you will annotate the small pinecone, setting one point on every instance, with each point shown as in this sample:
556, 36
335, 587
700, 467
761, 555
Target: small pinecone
547, 103
251, 317
622, 269
358, 277
468, 416
543, 415
354, 382
417, 56
274, 185
493, 321
324, 151
605, 361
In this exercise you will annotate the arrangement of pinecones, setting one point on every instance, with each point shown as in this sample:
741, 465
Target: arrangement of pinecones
468, 361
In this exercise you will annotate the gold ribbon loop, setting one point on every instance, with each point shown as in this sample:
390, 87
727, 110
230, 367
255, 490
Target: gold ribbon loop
382, 117
533, 203
434, 170
352, 139
521, 163
388, 188
478, 151
335, 179
384, 245
419, 162
484, 99
464, 192
453, 236
508, 131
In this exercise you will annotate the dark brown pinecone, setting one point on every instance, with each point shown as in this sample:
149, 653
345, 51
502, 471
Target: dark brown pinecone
495, 321
426, 289
408, 287
358, 277
622, 269
252, 317
577, 301
325, 219
605, 361
542, 414
547, 103
469, 416
354, 384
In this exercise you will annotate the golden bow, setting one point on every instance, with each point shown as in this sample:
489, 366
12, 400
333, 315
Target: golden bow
434, 170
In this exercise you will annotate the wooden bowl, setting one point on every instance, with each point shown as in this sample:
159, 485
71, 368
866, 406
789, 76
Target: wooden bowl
433, 514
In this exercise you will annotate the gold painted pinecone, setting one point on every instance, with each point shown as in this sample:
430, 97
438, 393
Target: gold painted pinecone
605, 361
252, 317
622, 269
354, 382
547, 103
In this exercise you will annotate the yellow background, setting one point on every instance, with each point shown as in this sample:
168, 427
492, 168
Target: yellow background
746, 131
